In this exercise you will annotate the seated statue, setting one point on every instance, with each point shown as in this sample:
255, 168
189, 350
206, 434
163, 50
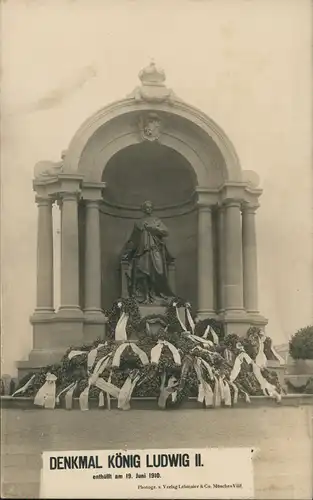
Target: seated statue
148, 259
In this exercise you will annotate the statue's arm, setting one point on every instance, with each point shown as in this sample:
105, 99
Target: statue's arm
159, 229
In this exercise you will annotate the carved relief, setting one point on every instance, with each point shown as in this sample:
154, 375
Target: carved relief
150, 127
49, 169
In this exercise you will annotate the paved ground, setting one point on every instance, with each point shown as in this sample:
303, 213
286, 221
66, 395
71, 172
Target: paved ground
282, 434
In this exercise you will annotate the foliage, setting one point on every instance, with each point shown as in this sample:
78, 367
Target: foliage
301, 344
172, 338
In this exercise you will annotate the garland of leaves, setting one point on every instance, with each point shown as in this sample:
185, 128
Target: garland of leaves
220, 357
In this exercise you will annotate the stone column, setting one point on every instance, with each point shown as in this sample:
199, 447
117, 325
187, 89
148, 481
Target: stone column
250, 280
221, 258
205, 261
69, 255
233, 286
92, 259
44, 256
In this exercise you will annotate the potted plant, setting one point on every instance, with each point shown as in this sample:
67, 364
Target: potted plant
301, 351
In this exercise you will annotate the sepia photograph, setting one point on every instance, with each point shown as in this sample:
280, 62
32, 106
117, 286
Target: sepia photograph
156, 249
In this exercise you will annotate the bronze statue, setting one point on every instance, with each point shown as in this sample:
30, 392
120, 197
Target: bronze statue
148, 258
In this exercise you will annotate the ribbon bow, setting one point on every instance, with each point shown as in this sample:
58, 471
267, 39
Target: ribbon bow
267, 388
126, 391
157, 350
209, 329
46, 395
119, 351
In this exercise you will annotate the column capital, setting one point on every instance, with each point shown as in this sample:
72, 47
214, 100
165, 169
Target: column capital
249, 208
231, 202
92, 203
203, 207
43, 200
92, 191
74, 195
206, 197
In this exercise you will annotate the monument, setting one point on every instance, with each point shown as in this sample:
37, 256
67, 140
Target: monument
149, 259
149, 146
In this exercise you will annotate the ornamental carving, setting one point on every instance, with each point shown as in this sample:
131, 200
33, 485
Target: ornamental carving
49, 169
150, 127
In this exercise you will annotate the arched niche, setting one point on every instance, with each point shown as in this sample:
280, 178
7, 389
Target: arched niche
161, 174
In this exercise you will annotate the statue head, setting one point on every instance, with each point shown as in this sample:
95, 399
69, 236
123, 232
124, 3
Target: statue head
147, 207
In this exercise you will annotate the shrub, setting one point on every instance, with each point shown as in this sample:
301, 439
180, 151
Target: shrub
301, 344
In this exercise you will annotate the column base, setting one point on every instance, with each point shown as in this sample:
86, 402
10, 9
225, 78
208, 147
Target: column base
44, 310
256, 319
70, 312
94, 315
41, 316
238, 321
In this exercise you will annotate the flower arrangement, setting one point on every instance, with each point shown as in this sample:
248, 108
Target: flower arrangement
176, 361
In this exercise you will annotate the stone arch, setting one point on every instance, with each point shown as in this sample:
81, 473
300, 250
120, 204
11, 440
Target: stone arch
188, 131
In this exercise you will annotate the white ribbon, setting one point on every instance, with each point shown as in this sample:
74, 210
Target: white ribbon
107, 387
69, 397
235, 388
101, 399
190, 320
206, 332
214, 336
83, 398
227, 393
157, 350
237, 365
208, 368
103, 386
205, 393
261, 358
67, 388
120, 329
100, 367
46, 395
217, 396
201, 340
25, 386
165, 392
277, 356
126, 392
119, 351
108, 395
180, 321
91, 358
93, 379
209, 330
228, 355
72, 354
267, 388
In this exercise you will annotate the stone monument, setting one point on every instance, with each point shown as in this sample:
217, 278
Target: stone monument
200, 192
